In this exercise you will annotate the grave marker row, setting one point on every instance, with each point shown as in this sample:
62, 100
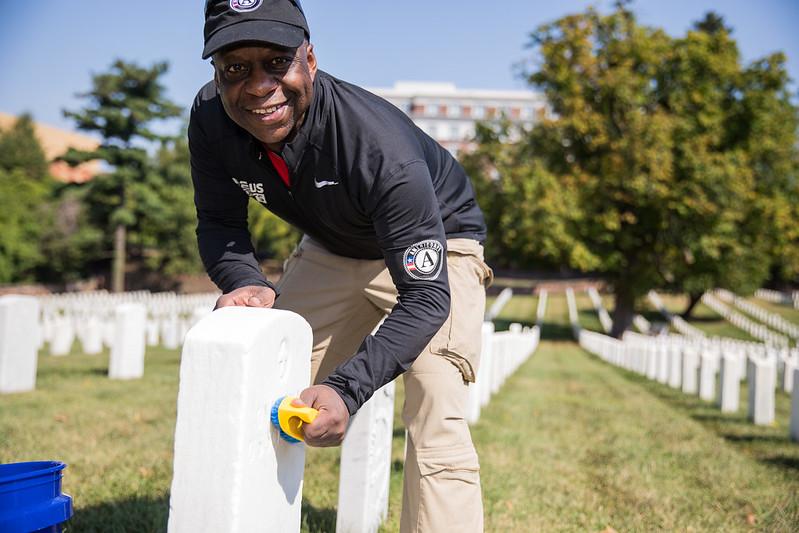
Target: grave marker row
772, 320
712, 368
738, 320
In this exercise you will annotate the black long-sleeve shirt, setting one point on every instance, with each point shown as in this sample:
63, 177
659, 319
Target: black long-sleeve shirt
366, 183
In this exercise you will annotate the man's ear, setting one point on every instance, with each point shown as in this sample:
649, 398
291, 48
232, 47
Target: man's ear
216, 75
311, 58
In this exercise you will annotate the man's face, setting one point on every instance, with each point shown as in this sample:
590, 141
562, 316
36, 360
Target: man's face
266, 89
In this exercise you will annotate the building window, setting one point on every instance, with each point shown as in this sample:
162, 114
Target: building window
417, 109
442, 110
454, 111
479, 112
467, 111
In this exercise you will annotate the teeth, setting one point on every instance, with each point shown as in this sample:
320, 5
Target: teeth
266, 111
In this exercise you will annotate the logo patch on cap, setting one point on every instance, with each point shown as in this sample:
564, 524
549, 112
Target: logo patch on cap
243, 6
423, 259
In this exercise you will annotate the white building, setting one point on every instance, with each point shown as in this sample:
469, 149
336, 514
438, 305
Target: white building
449, 114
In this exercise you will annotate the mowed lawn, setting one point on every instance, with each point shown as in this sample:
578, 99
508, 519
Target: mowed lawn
568, 444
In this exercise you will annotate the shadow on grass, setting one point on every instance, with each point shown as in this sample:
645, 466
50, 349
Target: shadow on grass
150, 515
734, 437
141, 514
554, 331
782, 461
316, 520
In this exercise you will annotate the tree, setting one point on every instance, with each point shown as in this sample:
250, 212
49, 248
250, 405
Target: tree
122, 106
272, 237
24, 191
732, 198
661, 162
164, 237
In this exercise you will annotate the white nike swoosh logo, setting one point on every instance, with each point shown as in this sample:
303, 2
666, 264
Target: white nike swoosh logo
320, 184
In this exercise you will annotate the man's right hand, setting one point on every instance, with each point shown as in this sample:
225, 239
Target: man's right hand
250, 296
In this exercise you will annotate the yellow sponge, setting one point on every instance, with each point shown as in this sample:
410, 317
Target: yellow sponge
289, 419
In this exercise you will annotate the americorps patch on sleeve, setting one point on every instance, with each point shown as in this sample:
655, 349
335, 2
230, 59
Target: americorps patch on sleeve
423, 260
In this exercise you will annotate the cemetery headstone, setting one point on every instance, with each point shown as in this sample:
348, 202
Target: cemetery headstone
232, 471
19, 339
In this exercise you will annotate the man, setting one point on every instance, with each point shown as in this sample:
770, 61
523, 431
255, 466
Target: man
391, 228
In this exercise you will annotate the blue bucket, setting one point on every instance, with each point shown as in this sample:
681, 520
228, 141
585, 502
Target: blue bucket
31, 499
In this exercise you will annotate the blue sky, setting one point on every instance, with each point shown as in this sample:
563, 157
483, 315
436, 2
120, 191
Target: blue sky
51, 48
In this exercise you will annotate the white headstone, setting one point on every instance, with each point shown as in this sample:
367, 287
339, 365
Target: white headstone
63, 336
729, 392
795, 408
762, 374
152, 332
708, 366
232, 472
791, 364
19, 338
170, 334
690, 371
675, 367
92, 339
484, 371
366, 465
127, 349
662, 363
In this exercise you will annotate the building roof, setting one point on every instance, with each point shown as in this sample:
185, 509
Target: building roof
55, 142
422, 89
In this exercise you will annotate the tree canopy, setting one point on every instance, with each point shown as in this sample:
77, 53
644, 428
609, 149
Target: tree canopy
24, 189
123, 107
662, 161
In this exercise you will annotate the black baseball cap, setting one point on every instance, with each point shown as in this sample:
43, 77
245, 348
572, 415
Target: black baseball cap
227, 22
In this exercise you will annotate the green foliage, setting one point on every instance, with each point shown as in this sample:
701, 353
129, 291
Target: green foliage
272, 237
663, 161
165, 234
123, 105
20, 150
24, 190
20, 225
71, 245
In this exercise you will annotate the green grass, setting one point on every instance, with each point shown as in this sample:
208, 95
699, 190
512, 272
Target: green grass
570, 443
787, 312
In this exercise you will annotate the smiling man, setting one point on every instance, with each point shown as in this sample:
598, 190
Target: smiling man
391, 228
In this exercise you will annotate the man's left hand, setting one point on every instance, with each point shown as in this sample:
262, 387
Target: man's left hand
331, 424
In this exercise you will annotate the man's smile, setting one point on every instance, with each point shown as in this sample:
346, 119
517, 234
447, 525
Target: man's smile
270, 114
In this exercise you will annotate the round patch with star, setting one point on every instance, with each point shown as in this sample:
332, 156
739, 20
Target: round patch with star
243, 6
423, 260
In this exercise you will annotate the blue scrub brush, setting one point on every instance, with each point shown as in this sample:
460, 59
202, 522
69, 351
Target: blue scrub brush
289, 419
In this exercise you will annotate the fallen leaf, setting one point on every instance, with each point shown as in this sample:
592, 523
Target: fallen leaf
145, 472
61, 417
750, 519
608, 530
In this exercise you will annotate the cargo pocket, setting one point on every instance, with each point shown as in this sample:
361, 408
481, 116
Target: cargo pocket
449, 489
459, 338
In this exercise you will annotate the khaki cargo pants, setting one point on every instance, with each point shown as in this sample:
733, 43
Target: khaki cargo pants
343, 299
